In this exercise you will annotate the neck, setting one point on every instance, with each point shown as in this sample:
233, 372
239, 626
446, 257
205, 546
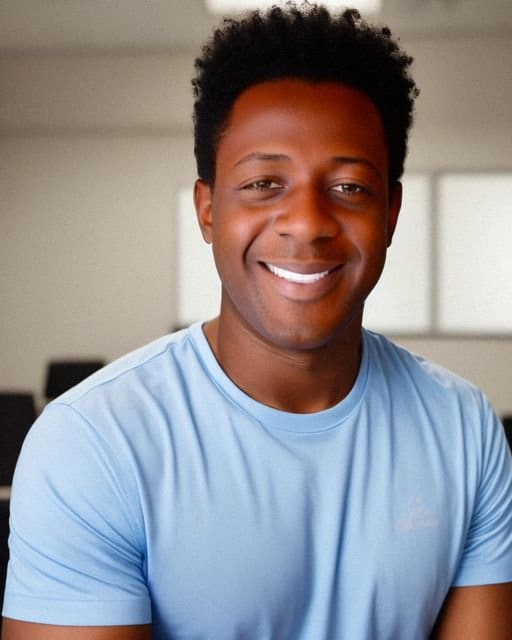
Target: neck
297, 381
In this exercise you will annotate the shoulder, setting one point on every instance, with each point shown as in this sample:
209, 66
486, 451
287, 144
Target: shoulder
134, 366
115, 420
150, 377
405, 367
427, 393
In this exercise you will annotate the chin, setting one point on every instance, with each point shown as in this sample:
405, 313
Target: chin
301, 335
298, 338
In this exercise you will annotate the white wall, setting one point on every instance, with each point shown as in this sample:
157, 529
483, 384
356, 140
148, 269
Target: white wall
92, 151
86, 245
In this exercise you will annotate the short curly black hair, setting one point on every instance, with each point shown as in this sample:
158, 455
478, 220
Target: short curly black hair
305, 42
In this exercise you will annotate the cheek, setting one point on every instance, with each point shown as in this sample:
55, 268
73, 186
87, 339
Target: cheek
367, 236
235, 232
229, 244
369, 246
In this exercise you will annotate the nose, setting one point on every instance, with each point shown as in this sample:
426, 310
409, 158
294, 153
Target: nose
307, 217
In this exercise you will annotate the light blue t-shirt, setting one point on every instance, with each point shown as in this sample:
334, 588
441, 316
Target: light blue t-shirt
157, 491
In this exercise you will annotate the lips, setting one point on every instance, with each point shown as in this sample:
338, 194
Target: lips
296, 277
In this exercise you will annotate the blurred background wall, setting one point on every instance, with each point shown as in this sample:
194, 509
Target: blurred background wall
96, 140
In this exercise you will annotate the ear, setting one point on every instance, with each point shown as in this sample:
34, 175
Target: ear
203, 205
395, 202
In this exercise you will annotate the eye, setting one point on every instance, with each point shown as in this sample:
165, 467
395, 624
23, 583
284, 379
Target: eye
264, 184
349, 189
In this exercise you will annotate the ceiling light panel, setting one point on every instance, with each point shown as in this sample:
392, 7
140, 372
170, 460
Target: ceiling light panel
236, 6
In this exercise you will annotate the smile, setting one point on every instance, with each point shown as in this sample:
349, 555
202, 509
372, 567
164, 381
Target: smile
299, 278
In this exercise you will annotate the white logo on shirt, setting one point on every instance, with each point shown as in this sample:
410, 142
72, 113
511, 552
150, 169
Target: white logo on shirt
418, 516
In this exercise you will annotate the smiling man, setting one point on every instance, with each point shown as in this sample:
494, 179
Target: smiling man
277, 472
300, 215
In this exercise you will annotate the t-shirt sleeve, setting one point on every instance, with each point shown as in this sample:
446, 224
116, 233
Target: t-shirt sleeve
487, 555
77, 551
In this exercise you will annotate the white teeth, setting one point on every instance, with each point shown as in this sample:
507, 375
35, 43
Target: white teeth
292, 276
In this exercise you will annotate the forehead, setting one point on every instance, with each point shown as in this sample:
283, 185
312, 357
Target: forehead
326, 116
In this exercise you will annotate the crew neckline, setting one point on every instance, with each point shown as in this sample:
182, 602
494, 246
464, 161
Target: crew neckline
273, 418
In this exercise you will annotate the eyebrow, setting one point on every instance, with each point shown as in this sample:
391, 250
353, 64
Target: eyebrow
257, 155
273, 157
356, 160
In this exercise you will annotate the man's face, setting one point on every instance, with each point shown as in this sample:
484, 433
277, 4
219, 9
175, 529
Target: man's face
300, 215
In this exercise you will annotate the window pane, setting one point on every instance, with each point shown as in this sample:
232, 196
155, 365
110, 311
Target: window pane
198, 286
475, 259
401, 300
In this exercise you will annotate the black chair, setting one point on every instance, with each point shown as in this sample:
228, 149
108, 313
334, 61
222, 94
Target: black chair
17, 413
4, 550
61, 375
507, 424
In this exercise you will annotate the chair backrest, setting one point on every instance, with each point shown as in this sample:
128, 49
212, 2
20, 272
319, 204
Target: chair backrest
507, 423
4, 549
17, 413
61, 375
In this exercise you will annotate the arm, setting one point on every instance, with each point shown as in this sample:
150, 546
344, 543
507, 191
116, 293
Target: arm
476, 613
77, 544
17, 630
